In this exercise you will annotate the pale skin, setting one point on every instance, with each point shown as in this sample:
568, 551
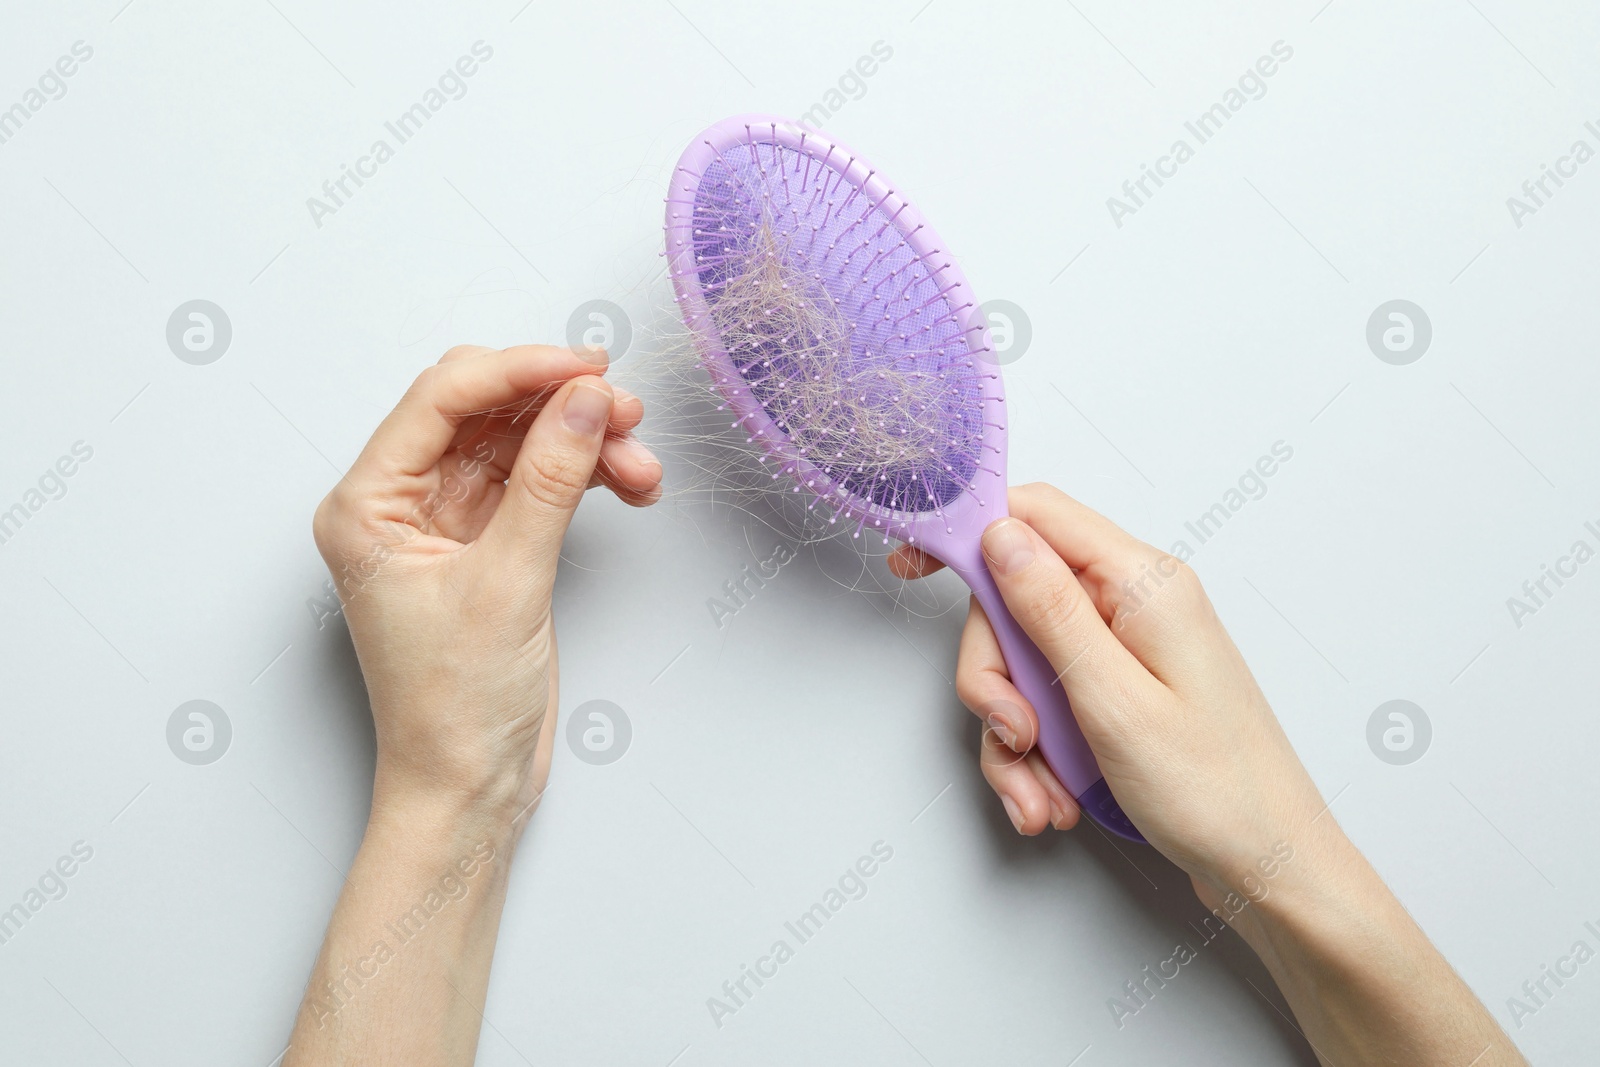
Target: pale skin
443, 541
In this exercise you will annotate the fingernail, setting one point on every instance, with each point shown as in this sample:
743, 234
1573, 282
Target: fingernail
1003, 730
1008, 546
1012, 810
622, 394
599, 357
586, 410
1058, 815
647, 459
1059, 804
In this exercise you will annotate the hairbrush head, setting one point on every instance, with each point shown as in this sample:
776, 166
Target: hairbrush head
838, 330
848, 344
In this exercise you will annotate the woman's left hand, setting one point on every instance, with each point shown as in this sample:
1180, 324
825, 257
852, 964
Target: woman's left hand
443, 541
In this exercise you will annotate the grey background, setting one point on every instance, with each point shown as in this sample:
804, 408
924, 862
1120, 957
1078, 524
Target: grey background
1227, 314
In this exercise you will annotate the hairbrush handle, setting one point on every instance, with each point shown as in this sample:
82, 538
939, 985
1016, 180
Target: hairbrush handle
1060, 740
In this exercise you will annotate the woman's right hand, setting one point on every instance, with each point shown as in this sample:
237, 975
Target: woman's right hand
1183, 734
1198, 761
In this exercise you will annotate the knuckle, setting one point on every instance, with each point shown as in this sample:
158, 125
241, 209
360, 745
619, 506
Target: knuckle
1164, 583
1185, 582
1042, 493
537, 351
1124, 574
968, 689
1058, 608
556, 477
424, 384
326, 522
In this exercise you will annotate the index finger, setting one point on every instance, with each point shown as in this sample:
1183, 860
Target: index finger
1153, 603
1086, 539
422, 426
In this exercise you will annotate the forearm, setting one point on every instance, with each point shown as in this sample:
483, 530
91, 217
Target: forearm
1364, 982
405, 963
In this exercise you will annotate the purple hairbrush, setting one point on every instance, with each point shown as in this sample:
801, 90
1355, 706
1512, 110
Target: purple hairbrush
849, 345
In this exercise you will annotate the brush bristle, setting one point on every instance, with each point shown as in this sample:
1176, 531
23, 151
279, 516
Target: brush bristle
838, 328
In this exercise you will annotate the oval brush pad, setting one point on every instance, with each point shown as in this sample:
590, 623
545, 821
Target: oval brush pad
848, 344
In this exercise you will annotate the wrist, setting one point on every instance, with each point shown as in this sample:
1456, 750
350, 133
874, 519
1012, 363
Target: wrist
436, 812
1349, 959
411, 941
1326, 904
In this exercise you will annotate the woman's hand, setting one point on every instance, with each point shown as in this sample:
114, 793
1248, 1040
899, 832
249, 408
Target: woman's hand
1183, 734
443, 541
1196, 758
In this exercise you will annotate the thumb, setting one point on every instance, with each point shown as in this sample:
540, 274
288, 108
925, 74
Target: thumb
1100, 677
549, 477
